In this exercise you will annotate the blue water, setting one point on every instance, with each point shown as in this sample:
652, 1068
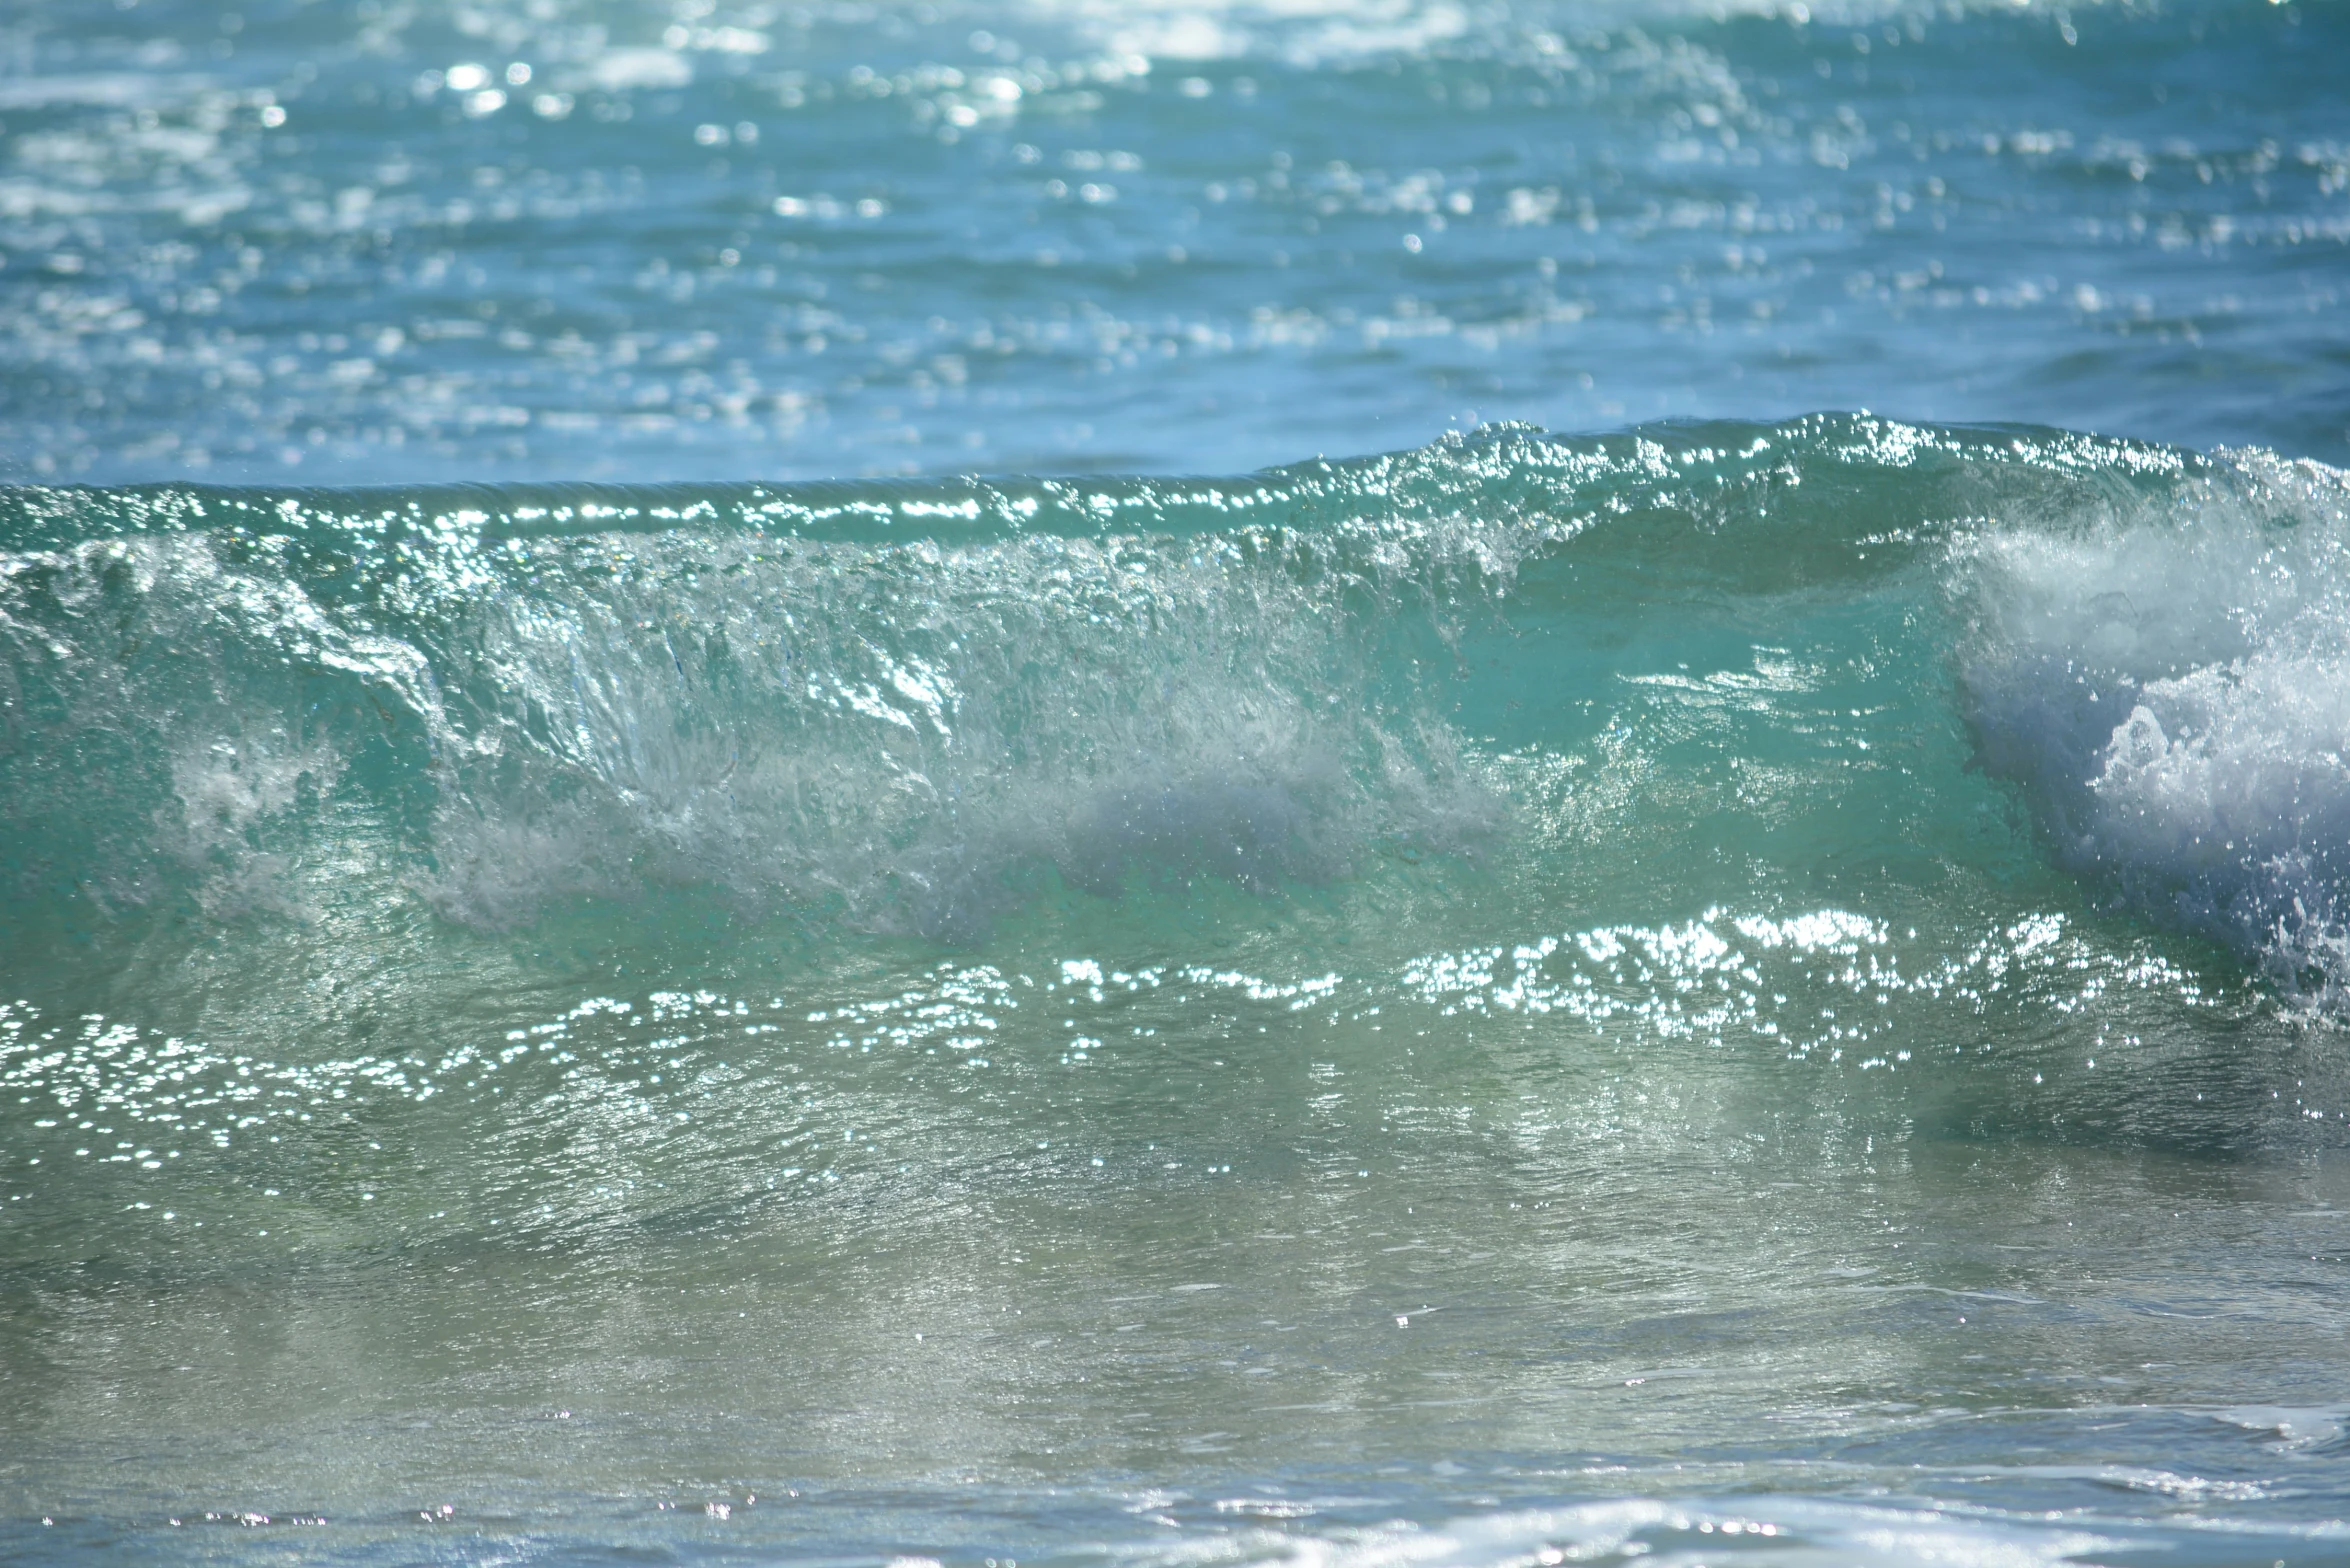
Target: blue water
1174, 784
822, 241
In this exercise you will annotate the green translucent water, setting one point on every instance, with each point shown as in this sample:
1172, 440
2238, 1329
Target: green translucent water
1526, 995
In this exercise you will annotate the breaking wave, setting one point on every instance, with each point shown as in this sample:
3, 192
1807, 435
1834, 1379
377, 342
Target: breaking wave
907, 708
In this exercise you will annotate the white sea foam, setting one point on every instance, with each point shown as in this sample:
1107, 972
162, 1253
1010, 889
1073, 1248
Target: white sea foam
1786, 1531
2171, 685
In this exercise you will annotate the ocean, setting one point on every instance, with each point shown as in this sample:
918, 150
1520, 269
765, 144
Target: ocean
775, 780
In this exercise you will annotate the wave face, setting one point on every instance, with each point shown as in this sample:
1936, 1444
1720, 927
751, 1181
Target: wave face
891, 708
881, 707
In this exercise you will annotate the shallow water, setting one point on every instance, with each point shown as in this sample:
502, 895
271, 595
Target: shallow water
642, 977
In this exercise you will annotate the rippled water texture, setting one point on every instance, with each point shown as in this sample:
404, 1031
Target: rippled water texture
569, 239
605, 957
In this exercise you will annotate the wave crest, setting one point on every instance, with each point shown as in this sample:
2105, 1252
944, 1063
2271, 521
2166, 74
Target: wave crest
2171, 684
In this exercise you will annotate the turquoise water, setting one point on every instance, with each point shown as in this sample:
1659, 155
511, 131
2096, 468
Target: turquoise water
607, 957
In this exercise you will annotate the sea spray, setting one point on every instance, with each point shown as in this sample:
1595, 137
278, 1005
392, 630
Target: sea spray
2166, 681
